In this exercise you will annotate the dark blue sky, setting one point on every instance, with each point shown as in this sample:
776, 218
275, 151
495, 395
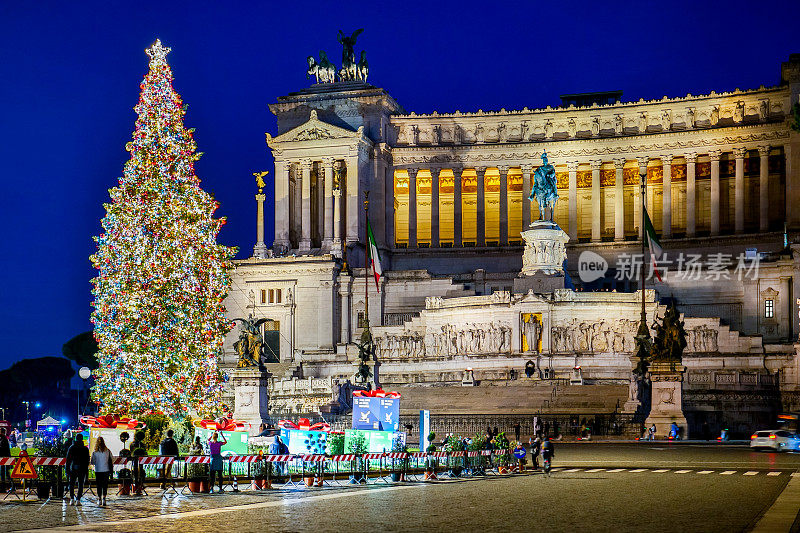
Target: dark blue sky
71, 78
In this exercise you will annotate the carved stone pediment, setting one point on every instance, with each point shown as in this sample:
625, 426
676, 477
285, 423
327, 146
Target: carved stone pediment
315, 130
769, 293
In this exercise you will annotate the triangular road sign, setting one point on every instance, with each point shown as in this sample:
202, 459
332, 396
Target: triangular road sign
24, 469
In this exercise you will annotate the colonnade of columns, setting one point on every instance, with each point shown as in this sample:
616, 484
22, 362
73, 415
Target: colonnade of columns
619, 214
334, 179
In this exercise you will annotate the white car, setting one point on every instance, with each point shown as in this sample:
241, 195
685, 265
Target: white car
775, 439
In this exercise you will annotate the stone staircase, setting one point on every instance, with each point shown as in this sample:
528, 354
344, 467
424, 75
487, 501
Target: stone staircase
517, 397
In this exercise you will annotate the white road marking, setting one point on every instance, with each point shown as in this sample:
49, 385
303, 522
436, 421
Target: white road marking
773, 473
638, 470
616, 470
727, 472
705, 472
660, 471
682, 471
751, 473
571, 470
593, 470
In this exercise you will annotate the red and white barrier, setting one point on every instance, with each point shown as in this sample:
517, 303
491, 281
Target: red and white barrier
345, 457
395, 455
156, 460
197, 459
243, 458
50, 461
278, 458
314, 458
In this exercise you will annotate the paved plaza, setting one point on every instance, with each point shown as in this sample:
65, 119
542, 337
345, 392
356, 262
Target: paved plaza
685, 487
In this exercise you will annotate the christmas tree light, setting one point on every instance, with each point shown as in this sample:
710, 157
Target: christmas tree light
158, 317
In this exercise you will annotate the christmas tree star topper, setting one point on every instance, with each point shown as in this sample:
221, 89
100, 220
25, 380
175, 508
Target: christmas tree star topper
158, 53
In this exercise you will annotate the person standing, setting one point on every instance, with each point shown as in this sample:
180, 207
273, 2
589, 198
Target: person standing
651, 432
548, 452
103, 461
168, 448
12, 438
536, 448
77, 468
517, 430
5, 451
215, 451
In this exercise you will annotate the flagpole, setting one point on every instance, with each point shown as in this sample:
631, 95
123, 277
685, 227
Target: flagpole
366, 260
643, 179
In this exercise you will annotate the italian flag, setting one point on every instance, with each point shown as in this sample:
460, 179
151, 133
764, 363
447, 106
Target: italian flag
652, 243
374, 256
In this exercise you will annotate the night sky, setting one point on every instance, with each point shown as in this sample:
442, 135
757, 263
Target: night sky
71, 78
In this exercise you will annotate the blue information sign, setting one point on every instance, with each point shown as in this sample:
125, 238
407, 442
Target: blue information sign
376, 413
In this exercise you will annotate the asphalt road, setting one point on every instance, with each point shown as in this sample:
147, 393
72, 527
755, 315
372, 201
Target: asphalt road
596, 487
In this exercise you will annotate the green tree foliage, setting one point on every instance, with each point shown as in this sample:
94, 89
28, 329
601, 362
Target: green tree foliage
82, 348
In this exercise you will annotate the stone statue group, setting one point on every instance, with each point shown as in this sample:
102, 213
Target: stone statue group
325, 71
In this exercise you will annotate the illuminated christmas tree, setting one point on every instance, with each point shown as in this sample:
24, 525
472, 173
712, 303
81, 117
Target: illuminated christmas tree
159, 319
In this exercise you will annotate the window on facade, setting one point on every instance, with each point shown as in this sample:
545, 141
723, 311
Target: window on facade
263, 296
769, 308
277, 296
362, 323
272, 296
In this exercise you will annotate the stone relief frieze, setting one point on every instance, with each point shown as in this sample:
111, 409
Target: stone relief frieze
595, 337
422, 156
447, 341
702, 339
313, 134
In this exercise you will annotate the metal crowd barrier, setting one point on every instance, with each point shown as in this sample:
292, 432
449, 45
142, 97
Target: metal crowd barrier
294, 470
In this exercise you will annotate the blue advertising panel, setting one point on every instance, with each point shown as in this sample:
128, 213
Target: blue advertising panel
424, 429
300, 441
376, 413
365, 413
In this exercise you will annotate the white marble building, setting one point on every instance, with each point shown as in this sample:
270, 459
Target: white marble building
448, 199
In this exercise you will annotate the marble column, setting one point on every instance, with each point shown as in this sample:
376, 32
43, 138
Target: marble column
457, 215
572, 166
260, 249
763, 188
412, 207
282, 171
714, 156
354, 200
305, 223
327, 232
344, 296
503, 204
336, 246
481, 207
738, 195
526, 200
666, 197
596, 209
389, 204
642, 172
619, 200
435, 172
691, 195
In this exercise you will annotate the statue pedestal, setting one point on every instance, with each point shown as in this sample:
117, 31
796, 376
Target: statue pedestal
251, 396
666, 403
543, 258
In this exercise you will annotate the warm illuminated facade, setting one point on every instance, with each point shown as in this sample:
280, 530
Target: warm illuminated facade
448, 198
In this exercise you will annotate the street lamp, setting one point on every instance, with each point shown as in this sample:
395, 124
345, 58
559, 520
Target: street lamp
27, 405
85, 373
